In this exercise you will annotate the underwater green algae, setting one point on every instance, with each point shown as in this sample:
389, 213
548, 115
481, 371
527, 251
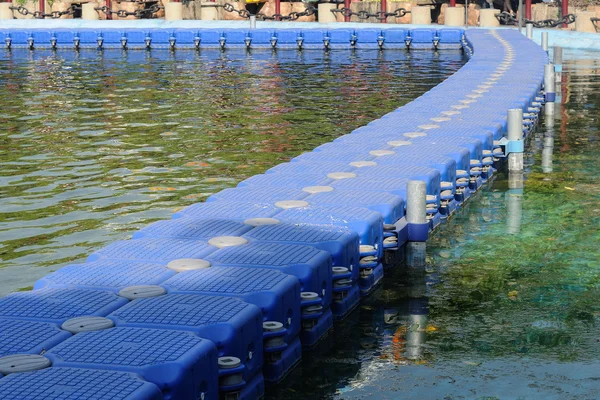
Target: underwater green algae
507, 303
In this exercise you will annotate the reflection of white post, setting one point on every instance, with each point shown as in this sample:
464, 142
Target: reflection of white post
416, 336
415, 254
514, 202
514, 133
547, 151
557, 61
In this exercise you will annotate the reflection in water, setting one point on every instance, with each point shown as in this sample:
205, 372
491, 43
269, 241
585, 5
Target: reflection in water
507, 301
97, 144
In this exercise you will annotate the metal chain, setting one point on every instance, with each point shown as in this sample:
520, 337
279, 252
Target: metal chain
293, 16
143, 13
380, 15
509, 19
39, 15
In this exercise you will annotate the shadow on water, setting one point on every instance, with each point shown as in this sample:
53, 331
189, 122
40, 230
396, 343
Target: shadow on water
95, 145
507, 304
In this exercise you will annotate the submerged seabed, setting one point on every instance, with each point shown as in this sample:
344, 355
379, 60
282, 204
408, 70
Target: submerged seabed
508, 305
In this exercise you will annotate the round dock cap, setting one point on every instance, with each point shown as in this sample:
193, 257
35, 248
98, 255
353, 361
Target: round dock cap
23, 363
450, 112
188, 264
429, 126
229, 362
286, 204
272, 326
261, 221
142, 291
361, 164
227, 241
309, 296
460, 106
341, 175
398, 143
317, 189
379, 153
86, 324
339, 270
439, 119
412, 135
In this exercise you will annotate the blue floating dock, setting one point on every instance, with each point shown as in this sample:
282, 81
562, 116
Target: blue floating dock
226, 294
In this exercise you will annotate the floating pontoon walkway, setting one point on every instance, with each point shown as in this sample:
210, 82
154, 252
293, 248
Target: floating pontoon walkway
226, 295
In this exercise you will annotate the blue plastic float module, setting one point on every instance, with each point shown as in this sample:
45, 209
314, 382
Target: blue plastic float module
234, 326
181, 364
132, 38
449, 138
75, 384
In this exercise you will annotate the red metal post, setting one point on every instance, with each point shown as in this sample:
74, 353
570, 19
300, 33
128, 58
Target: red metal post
452, 3
42, 7
384, 10
277, 9
109, 6
527, 9
347, 5
565, 10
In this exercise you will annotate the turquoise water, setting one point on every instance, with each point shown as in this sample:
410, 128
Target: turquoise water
507, 303
95, 145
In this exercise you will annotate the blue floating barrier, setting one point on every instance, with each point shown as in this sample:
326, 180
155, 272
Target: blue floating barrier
210, 38
262, 38
311, 266
112, 38
89, 38
181, 364
136, 39
224, 209
160, 250
112, 275
233, 326
288, 38
19, 39
394, 39
186, 38
64, 38
275, 293
368, 38
161, 38
286, 181
58, 305
314, 39
341, 243
390, 206
41, 39
76, 384
193, 228
29, 337
341, 38
258, 194
236, 37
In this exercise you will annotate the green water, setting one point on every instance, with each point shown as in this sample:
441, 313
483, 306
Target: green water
96, 145
507, 305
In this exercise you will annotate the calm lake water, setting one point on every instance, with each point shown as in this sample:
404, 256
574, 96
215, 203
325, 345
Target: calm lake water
96, 145
507, 305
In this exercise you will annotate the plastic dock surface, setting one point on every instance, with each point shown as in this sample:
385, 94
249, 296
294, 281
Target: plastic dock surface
225, 295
